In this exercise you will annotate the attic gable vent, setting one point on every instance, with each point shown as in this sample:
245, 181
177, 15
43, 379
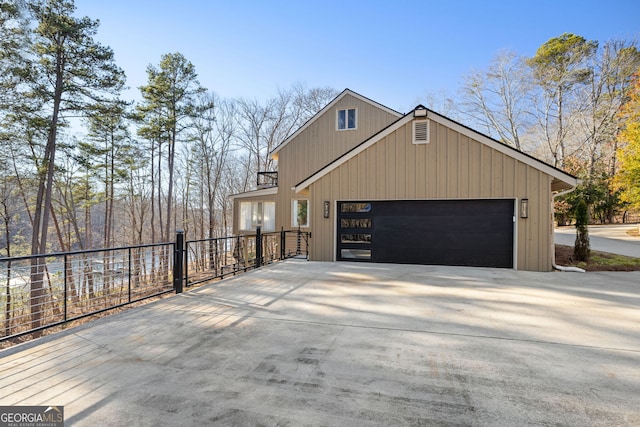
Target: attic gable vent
421, 132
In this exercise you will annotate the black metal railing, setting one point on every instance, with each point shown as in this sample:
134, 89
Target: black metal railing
267, 179
208, 259
43, 291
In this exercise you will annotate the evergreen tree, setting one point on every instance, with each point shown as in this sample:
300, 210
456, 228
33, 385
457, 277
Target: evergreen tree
169, 99
558, 66
70, 72
582, 249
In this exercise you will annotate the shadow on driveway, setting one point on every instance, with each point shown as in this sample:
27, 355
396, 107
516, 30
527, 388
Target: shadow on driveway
310, 343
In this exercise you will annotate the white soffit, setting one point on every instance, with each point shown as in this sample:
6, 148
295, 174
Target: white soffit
255, 193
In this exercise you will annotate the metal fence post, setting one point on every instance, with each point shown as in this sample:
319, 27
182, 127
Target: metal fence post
129, 268
66, 283
258, 247
186, 264
178, 259
240, 259
216, 261
283, 242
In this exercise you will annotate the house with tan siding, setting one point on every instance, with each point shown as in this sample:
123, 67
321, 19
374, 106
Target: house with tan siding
374, 185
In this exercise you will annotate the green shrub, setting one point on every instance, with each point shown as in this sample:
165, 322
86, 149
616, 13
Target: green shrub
582, 249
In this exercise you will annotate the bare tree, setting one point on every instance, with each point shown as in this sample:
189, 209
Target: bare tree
8, 214
601, 99
262, 127
308, 102
496, 99
441, 102
253, 118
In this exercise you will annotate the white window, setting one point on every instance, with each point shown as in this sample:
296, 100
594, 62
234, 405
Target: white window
421, 132
347, 119
300, 213
258, 214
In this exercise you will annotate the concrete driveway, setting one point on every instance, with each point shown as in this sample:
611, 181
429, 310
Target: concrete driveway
309, 343
605, 238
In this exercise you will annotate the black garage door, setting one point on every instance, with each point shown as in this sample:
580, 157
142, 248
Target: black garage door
441, 232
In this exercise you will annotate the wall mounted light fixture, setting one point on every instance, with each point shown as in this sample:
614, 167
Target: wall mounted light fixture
326, 209
524, 208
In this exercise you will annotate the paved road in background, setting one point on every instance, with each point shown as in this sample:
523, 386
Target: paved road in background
604, 238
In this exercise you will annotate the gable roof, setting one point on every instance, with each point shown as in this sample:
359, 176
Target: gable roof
327, 108
559, 175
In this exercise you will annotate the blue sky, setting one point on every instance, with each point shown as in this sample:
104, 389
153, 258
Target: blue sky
391, 51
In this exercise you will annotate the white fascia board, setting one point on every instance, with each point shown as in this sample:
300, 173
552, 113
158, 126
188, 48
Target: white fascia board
329, 106
255, 193
351, 154
521, 157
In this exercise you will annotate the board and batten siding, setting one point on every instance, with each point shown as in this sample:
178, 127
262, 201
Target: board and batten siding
451, 166
319, 144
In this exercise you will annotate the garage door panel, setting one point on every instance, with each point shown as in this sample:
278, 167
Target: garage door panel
474, 249
460, 232
442, 232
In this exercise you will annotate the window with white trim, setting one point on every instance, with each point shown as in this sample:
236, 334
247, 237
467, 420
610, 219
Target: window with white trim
258, 214
347, 119
300, 213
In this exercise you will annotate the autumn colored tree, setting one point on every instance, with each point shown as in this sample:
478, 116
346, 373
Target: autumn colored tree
628, 176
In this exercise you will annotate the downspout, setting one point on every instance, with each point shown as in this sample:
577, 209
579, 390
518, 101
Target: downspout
553, 248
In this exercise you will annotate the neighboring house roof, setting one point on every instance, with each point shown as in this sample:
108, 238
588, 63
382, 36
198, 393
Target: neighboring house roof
561, 176
328, 107
262, 192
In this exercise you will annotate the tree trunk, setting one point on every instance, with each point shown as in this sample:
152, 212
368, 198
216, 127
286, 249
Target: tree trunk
170, 160
43, 206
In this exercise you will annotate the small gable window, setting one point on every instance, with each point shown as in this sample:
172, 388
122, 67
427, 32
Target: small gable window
347, 119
